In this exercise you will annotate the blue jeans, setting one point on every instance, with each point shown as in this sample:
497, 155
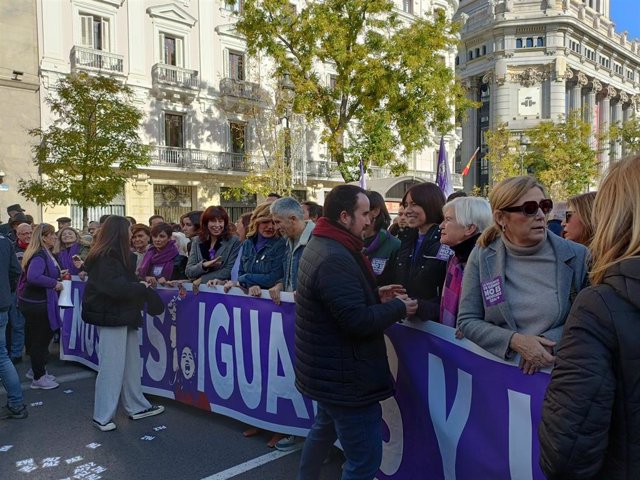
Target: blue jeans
359, 430
8, 372
16, 324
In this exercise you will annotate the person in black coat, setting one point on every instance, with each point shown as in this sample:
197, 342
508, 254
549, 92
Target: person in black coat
420, 265
590, 425
341, 357
113, 301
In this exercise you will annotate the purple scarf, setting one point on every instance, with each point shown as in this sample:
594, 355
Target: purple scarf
65, 258
155, 257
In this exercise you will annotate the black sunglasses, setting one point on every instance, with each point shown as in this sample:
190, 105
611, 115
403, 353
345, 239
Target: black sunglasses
567, 216
530, 209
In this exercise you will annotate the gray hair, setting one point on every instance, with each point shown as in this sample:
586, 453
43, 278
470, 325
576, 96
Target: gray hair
287, 206
471, 211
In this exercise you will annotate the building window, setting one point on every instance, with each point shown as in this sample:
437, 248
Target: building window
575, 46
407, 6
171, 50
333, 82
457, 60
173, 130
618, 68
530, 42
590, 54
484, 50
519, 43
95, 32
470, 55
236, 65
540, 42
604, 61
630, 75
477, 52
236, 6
237, 134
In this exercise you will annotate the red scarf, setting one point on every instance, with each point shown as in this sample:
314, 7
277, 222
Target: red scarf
328, 229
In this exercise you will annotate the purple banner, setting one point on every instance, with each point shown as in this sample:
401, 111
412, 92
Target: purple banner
458, 412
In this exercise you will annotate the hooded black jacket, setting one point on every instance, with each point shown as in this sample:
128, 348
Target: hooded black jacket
590, 425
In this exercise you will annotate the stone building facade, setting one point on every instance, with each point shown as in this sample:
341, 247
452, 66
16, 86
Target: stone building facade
527, 61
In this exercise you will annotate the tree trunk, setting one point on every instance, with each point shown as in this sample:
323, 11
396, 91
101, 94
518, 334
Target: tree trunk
336, 147
85, 219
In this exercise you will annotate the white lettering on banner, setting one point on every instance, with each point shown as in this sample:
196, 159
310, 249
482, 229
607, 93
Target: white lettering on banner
76, 319
448, 429
156, 368
520, 434
251, 392
201, 319
80, 330
281, 386
223, 384
392, 450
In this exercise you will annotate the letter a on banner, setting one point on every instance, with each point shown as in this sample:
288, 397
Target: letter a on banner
448, 429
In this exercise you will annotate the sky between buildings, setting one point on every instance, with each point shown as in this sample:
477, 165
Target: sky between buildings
626, 15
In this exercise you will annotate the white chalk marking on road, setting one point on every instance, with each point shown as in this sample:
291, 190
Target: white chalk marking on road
251, 464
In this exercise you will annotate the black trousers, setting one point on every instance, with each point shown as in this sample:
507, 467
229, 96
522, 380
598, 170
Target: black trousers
38, 335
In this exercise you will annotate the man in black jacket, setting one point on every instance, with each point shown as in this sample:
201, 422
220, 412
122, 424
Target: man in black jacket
341, 358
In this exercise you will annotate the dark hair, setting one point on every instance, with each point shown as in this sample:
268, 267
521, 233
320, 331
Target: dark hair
112, 240
104, 217
161, 227
315, 210
383, 220
342, 198
428, 196
273, 194
153, 217
132, 220
194, 216
209, 214
140, 226
458, 194
245, 218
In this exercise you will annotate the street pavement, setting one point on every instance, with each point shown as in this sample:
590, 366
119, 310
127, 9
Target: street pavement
57, 441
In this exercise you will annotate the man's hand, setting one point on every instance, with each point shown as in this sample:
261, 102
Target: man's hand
411, 304
534, 352
274, 292
389, 292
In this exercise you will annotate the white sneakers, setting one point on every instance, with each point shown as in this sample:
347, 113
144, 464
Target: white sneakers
149, 412
44, 383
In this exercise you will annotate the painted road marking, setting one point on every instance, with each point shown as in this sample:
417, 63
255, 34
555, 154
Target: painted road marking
251, 464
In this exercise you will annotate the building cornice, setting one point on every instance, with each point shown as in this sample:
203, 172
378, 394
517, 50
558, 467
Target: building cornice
172, 13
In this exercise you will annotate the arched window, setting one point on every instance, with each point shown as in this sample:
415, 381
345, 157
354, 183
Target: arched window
540, 42
518, 43
529, 42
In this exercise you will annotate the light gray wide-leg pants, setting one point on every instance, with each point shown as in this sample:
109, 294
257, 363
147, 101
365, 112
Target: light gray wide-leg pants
119, 371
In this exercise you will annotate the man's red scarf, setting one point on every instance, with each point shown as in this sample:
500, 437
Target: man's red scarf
328, 229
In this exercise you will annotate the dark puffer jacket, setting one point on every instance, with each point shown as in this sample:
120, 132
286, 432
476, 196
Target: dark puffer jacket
591, 413
114, 296
341, 356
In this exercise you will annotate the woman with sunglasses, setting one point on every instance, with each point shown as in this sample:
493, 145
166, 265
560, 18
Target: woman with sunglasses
578, 225
520, 281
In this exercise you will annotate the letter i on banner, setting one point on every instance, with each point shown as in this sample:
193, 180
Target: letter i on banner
520, 434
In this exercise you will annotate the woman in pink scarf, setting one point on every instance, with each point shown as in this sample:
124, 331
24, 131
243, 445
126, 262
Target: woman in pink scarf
159, 263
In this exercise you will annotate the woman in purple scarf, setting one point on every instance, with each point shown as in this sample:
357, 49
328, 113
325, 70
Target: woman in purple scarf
69, 246
38, 301
161, 262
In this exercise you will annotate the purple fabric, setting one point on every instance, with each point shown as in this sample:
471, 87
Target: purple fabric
261, 243
40, 274
416, 248
443, 179
451, 292
65, 258
155, 257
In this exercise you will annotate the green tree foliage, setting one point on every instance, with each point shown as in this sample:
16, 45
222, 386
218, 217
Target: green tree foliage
562, 157
388, 73
629, 134
503, 154
92, 147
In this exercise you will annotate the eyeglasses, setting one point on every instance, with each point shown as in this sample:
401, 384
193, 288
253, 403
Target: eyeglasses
530, 209
567, 216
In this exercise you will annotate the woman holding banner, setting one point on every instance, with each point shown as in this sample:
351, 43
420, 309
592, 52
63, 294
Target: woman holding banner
113, 300
590, 418
519, 282
162, 262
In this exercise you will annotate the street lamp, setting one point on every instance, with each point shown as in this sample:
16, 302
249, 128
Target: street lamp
287, 94
524, 143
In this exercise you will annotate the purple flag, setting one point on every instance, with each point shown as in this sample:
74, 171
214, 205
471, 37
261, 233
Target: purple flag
443, 178
363, 177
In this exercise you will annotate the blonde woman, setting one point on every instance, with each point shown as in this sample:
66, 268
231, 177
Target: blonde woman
38, 301
519, 281
590, 415
578, 223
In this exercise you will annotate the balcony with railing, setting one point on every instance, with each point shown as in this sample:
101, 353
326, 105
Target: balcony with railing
169, 81
97, 61
240, 95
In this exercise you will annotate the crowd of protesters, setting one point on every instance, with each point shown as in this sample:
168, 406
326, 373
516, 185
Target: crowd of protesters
549, 287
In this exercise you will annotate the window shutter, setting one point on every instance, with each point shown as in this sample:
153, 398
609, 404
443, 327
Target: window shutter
161, 57
179, 52
240, 73
225, 67
106, 37
86, 28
